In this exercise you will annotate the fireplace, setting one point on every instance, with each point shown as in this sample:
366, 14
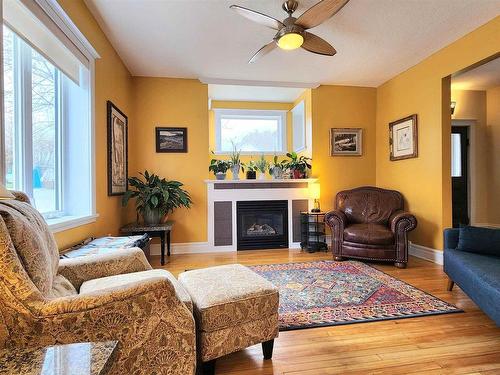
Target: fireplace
262, 224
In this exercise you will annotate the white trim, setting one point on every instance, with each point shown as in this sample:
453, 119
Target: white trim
2, 117
427, 253
68, 222
486, 225
237, 82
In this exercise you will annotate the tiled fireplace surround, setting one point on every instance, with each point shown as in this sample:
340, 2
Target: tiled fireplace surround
223, 196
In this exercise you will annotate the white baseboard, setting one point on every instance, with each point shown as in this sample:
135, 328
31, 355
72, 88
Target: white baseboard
427, 253
486, 225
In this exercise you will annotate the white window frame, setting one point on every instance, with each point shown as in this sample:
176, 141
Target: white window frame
279, 115
56, 14
299, 127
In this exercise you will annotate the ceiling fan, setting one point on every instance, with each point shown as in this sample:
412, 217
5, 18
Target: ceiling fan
292, 32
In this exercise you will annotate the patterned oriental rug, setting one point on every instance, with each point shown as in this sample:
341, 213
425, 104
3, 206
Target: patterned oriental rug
327, 293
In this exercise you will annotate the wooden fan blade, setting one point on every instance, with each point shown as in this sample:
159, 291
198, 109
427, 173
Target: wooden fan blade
319, 13
315, 44
263, 51
258, 17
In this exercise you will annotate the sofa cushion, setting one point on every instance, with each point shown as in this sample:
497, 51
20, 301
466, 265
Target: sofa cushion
230, 295
479, 240
34, 243
134, 277
371, 234
478, 276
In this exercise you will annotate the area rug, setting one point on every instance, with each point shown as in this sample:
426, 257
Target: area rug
326, 293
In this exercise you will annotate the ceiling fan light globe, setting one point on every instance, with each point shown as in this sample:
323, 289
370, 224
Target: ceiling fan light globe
290, 41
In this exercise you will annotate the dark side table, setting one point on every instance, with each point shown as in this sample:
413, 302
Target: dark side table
313, 236
153, 230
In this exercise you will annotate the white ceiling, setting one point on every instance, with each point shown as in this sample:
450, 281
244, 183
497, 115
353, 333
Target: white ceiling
254, 93
483, 77
375, 39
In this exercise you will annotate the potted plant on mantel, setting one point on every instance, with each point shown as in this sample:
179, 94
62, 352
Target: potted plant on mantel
235, 163
251, 170
219, 167
156, 197
262, 165
277, 168
298, 165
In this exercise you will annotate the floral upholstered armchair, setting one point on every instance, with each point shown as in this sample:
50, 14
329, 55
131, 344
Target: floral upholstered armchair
46, 301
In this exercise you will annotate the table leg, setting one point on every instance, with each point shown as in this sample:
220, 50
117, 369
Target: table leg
168, 243
162, 238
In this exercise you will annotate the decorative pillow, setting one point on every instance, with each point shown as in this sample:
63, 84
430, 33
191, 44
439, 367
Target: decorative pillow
33, 241
479, 240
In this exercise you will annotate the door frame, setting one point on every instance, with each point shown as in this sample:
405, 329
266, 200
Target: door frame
471, 162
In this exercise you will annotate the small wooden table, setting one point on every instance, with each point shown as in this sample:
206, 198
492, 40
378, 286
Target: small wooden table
153, 230
86, 358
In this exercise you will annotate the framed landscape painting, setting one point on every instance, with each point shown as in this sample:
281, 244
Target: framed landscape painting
346, 142
117, 150
171, 139
403, 138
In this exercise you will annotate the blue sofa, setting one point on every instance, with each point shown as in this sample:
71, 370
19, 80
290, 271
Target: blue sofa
472, 260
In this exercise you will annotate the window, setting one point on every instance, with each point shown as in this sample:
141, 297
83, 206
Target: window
251, 131
47, 130
299, 127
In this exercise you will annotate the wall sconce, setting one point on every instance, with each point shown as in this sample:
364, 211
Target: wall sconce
452, 107
315, 192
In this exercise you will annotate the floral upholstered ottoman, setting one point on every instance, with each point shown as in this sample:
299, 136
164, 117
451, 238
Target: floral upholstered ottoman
234, 308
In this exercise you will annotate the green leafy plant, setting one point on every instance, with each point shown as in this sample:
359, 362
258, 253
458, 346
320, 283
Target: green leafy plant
298, 165
219, 166
252, 166
155, 194
281, 165
234, 158
262, 164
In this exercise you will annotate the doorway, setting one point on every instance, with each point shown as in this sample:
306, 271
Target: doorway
460, 175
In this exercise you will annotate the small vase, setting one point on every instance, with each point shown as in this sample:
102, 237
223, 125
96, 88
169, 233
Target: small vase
262, 175
220, 176
251, 175
235, 170
297, 174
277, 173
151, 216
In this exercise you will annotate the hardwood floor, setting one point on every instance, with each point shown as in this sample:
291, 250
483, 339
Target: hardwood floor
462, 343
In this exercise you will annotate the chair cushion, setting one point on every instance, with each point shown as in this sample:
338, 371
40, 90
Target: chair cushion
34, 243
134, 277
371, 234
230, 295
479, 240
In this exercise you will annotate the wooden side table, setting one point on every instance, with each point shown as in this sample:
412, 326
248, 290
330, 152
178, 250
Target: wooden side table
161, 230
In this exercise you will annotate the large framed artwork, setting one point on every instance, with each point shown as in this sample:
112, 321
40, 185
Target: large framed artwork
117, 150
171, 139
403, 138
346, 141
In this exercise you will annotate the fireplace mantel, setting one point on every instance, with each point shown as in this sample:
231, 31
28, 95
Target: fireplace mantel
222, 196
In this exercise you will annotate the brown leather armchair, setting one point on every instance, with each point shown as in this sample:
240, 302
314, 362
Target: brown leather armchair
370, 223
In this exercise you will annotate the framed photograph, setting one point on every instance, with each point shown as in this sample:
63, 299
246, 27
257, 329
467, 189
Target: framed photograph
403, 138
171, 139
117, 150
346, 142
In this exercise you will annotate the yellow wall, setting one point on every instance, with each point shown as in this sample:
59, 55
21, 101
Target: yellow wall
178, 103
247, 105
425, 181
112, 82
493, 138
342, 107
471, 105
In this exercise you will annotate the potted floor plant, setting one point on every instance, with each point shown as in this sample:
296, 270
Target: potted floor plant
219, 168
262, 165
298, 165
156, 197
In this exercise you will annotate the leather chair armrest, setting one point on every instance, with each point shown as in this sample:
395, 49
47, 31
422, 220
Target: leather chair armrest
337, 221
402, 221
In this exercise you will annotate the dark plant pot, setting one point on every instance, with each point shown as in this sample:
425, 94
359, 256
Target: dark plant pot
151, 216
251, 175
298, 174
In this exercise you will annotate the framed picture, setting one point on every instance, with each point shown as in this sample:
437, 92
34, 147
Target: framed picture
117, 150
346, 142
171, 139
403, 138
